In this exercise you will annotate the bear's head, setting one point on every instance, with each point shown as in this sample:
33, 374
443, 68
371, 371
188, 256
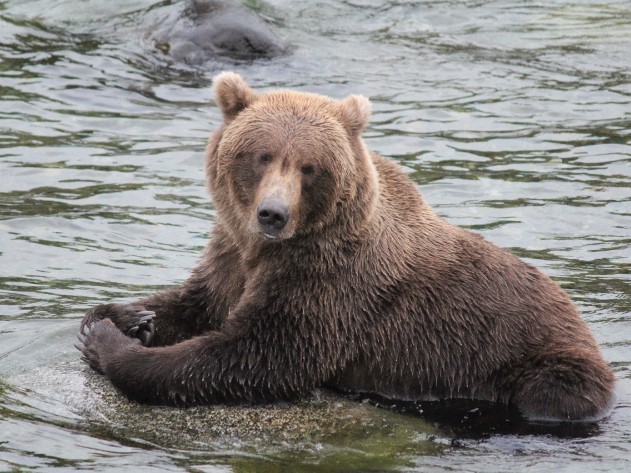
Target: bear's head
286, 164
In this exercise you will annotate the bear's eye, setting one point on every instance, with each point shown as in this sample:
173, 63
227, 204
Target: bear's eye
265, 158
307, 170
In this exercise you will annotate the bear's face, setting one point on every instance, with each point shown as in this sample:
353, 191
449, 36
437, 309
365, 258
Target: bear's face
285, 159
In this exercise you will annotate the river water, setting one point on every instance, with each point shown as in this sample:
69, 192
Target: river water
514, 118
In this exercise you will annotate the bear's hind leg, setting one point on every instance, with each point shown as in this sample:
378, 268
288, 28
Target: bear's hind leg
563, 385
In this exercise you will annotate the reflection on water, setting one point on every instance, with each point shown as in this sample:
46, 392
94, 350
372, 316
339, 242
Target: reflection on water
513, 117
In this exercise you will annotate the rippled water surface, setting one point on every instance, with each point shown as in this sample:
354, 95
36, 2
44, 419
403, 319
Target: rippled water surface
514, 117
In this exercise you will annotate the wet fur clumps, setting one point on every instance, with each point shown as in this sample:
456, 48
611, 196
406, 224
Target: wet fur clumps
327, 268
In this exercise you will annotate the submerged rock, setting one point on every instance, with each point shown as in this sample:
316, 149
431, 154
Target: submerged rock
323, 418
325, 427
212, 28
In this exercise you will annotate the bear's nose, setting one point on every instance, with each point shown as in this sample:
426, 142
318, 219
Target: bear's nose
273, 214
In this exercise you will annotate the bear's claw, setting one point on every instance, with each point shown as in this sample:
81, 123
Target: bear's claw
82, 336
145, 329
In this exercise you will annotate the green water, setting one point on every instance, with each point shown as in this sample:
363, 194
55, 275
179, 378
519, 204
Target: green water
514, 117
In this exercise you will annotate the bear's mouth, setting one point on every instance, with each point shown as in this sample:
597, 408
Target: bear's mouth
270, 237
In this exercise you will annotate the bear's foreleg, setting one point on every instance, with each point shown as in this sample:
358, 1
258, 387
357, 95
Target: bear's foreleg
258, 358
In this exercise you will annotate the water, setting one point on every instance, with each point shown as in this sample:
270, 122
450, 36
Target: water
513, 117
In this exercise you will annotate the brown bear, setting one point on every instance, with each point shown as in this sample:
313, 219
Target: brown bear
327, 268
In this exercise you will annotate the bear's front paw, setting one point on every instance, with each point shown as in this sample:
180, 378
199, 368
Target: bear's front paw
130, 319
99, 341
145, 329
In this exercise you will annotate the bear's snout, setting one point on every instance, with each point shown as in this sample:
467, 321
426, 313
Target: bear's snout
273, 215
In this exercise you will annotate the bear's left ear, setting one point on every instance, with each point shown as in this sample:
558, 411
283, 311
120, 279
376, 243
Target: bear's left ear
355, 113
232, 94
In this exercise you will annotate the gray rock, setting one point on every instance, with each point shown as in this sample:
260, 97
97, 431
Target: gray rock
212, 28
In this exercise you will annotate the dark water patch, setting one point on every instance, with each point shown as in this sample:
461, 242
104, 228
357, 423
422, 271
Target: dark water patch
462, 419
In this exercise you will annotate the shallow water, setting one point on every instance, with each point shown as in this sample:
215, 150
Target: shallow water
513, 117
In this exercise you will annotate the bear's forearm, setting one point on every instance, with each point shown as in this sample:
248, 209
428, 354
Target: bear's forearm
207, 370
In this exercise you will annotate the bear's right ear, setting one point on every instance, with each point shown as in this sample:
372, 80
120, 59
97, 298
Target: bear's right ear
232, 94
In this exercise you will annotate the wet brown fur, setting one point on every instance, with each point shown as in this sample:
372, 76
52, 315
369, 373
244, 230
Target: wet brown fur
367, 289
